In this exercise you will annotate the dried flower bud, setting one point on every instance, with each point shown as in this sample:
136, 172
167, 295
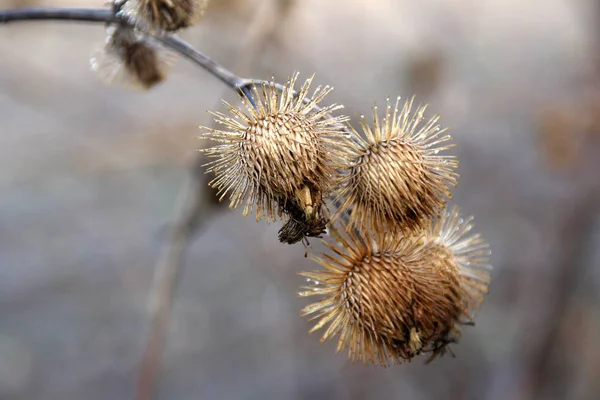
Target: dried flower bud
391, 298
166, 15
278, 156
394, 179
470, 256
131, 59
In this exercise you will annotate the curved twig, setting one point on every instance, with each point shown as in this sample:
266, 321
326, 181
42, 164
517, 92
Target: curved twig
58, 14
109, 16
235, 82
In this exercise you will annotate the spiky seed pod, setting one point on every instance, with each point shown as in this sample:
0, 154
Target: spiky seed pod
278, 156
387, 299
470, 255
166, 15
390, 298
393, 178
131, 59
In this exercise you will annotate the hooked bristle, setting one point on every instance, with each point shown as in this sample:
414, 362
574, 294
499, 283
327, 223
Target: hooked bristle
390, 297
278, 156
393, 179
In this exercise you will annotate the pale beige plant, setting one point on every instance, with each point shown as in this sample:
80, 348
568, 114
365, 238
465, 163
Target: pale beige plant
394, 178
389, 297
277, 156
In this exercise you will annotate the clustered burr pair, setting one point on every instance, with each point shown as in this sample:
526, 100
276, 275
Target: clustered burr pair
400, 272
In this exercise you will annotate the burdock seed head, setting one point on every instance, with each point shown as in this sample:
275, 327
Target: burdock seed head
278, 156
390, 298
166, 15
131, 59
393, 177
470, 256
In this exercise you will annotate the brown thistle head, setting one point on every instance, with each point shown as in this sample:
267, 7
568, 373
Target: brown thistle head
166, 15
393, 178
450, 233
131, 59
390, 298
278, 156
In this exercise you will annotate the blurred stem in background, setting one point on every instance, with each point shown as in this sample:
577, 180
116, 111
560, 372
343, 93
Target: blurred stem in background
572, 145
576, 230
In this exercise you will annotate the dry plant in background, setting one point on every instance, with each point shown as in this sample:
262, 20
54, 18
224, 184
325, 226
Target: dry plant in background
400, 273
131, 59
166, 15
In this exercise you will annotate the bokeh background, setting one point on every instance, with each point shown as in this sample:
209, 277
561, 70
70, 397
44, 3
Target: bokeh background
92, 177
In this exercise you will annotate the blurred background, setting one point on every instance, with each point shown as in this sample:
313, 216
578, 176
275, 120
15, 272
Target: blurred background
93, 176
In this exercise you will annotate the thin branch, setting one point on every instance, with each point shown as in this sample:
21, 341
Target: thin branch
187, 51
108, 16
235, 82
58, 14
